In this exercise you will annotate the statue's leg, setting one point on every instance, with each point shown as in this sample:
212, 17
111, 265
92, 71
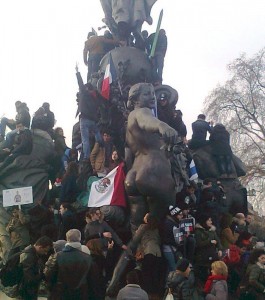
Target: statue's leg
138, 209
137, 214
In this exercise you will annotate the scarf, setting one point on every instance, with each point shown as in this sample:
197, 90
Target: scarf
75, 245
209, 282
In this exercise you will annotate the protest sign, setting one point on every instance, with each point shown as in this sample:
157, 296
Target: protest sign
17, 196
187, 225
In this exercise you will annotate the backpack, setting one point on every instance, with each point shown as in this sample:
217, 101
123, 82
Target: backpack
233, 255
12, 272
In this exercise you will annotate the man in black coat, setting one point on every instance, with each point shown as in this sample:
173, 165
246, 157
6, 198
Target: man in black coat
199, 131
69, 271
49, 118
220, 141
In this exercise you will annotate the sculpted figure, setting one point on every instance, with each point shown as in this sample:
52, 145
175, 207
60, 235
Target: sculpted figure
126, 16
150, 175
149, 184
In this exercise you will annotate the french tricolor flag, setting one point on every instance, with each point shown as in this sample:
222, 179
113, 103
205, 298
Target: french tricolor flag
109, 77
109, 190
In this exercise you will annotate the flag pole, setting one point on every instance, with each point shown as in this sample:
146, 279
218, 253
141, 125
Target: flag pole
156, 34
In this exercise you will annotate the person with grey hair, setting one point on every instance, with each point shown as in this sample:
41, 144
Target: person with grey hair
69, 276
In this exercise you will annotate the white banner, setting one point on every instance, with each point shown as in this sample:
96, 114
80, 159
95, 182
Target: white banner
17, 196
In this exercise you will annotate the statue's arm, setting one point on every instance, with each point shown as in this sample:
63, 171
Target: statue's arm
148, 122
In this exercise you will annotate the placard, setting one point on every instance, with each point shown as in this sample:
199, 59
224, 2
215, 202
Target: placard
17, 196
187, 225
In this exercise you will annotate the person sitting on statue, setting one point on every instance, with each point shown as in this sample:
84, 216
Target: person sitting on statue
95, 46
23, 117
220, 141
39, 120
23, 145
199, 132
10, 123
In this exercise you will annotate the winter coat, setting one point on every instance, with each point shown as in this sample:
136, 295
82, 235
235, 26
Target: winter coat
200, 128
97, 158
206, 252
69, 190
167, 231
32, 267
88, 101
132, 291
68, 221
24, 143
95, 229
219, 291
23, 116
69, 274
59, 144
182, 288
220, 140
256, 277
19, 232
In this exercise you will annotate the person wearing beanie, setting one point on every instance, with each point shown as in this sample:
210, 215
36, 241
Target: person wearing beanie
181, 281
208, 246
170, 245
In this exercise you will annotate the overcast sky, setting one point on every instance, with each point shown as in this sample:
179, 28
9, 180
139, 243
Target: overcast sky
42, 40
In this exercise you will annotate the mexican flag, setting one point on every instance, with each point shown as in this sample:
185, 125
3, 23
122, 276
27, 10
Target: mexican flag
109, 190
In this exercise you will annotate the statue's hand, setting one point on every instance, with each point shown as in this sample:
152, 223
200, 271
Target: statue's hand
168, 133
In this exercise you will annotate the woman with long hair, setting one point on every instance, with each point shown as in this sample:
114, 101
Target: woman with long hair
70, 190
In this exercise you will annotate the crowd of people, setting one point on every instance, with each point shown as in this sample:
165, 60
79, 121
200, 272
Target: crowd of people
197, 250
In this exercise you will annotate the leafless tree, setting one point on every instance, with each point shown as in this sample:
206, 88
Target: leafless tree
239, 104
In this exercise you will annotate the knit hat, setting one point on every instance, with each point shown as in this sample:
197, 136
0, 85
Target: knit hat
174, 210
59, 245
183, 264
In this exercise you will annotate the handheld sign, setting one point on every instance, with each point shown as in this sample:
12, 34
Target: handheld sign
17, 196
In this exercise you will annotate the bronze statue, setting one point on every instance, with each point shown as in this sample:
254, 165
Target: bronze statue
149, 183
126, 16
150, 175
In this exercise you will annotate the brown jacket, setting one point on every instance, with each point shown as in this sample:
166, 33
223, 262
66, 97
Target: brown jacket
97, 158
95, 45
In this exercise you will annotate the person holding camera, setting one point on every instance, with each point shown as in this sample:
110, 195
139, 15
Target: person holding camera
199, 132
